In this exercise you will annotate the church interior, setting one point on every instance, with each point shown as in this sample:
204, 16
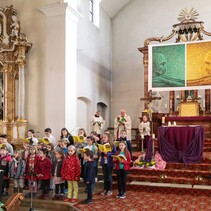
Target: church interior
63, 60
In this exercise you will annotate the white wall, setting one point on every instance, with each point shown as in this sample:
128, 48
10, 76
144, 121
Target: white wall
94, 61
94, 64
136, 22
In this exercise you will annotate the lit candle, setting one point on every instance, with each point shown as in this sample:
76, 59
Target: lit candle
169, 123
142, 136
153, 136
163, 120
174, 124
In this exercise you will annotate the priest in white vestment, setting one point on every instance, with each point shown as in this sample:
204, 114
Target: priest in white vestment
122, 122
97, 123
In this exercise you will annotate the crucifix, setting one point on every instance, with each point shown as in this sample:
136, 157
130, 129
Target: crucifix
148, 104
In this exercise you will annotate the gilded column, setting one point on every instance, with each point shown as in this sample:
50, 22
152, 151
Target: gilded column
21, 84
7, 68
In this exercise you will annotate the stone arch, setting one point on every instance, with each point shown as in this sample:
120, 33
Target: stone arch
84, 113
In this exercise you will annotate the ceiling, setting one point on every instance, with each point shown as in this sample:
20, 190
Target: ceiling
112, 7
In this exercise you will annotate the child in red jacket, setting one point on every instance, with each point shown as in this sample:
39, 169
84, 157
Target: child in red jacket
122, 165
44, 172
71, 173
31, 171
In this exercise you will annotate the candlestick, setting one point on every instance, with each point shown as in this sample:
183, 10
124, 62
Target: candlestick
163, 120
153, 145
142, 144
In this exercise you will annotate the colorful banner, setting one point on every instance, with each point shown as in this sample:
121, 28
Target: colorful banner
180, 66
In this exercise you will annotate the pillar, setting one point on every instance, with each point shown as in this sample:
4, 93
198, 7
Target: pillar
60, 72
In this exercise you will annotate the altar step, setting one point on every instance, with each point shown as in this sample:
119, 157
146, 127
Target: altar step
46, 205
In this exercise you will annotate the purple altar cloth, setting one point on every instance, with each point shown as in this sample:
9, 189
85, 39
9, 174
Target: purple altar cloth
181, 143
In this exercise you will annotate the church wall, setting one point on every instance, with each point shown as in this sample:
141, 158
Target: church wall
93, 63
93, 68
130, 27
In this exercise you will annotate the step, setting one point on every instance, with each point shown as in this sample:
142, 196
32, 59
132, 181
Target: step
170, 172
49, 205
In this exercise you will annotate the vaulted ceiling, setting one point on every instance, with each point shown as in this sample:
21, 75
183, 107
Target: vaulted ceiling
112, 7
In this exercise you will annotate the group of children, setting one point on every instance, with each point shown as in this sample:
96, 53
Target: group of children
46, 164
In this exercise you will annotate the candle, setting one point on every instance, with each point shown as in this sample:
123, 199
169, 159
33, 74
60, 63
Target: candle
170, 104
142, 136
169, 123
153, 146
203, 103
153, 136
163, 120
174, 124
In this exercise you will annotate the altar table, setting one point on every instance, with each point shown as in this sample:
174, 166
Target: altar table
204, 121
181, 143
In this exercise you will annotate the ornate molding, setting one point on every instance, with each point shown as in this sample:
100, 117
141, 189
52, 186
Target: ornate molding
10, 34
188, 29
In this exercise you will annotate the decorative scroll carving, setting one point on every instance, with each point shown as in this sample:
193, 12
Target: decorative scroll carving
13, 203
188, 29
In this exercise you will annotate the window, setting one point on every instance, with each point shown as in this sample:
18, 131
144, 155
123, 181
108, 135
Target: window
94, 11
91, 10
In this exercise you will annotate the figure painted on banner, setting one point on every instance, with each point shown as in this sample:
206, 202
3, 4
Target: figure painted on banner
122, 122
97, 123
144, 129
205, 80
159, 76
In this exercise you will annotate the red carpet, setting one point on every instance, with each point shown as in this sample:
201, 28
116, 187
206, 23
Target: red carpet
146, 198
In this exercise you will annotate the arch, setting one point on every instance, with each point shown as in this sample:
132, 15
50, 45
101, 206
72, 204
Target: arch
83, 112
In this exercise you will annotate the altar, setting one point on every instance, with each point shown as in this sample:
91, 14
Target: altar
181, 143
204, 121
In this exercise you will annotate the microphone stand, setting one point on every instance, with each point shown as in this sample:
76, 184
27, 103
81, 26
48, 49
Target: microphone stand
31, 197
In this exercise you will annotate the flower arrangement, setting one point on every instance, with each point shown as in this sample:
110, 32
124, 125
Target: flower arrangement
142, 164
150, 164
